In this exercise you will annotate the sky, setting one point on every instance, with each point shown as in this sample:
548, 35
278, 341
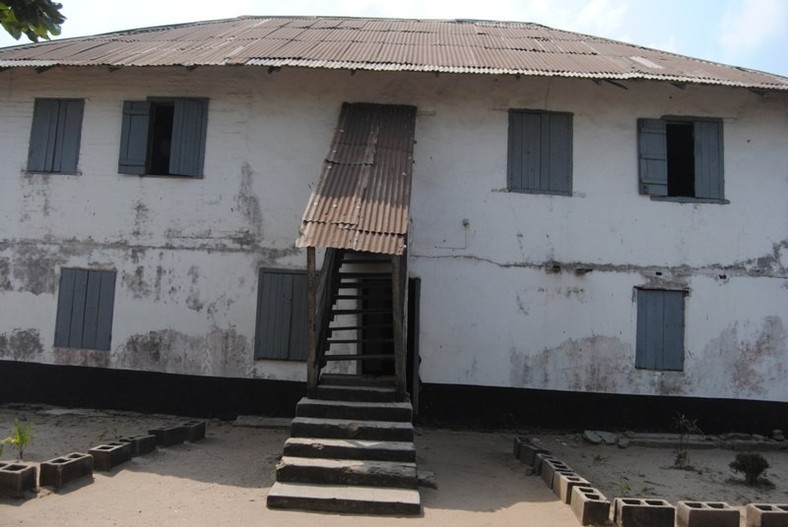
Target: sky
746, 33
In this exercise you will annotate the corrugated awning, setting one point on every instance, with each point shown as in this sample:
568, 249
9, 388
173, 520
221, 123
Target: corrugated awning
362, 199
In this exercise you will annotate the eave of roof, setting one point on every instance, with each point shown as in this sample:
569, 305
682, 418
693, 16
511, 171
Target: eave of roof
442, 46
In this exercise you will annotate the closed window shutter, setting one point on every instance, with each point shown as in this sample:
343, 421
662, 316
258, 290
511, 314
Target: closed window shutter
557, 153
653, 157
709, 180
281, 316
134, 137
69, 132
43, 135
650, 332
85, 309
673, 338
189, 128
540, 152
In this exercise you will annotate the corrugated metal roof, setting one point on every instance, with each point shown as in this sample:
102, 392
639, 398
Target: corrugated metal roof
362, 199
450, 46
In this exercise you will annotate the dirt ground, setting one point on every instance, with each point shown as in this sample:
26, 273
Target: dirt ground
224, 479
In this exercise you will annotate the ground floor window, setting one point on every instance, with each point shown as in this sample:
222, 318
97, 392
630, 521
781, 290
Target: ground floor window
660, 330
84, 309
280, 332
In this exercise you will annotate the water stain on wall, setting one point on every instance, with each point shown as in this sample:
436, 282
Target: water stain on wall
596, 364
21, 344
82, 357
753, 361
222, 352
249, 206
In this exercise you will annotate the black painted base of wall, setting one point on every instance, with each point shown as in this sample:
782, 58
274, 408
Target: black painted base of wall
462, 406
485, 407
188, 395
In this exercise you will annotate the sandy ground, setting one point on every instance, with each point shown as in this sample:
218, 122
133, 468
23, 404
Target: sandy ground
224, 479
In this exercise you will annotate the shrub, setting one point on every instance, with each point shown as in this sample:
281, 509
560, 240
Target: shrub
753, 466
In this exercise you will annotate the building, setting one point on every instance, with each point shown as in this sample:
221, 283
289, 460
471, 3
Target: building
590, 223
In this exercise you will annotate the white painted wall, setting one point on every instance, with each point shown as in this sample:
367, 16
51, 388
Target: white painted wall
187, 250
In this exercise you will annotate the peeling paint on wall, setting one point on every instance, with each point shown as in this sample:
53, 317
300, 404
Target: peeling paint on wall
21, 344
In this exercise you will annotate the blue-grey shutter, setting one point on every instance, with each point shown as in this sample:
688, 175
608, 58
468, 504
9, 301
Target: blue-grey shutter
709, 180
65, 301
525, 151
78, 308
134, 137
69, 136
92, 307
556, 153
84, 309
298, 335
650, 321
673, 338
189, 127
43, 135
281, 316
273, 327
653, 157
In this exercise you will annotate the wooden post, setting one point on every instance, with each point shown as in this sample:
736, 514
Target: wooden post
311, 326
400, 352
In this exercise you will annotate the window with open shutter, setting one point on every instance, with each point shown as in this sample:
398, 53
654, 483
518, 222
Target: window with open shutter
55, 135
540, 152
281, 315
681, 159
660, 330
163, 137
85, 307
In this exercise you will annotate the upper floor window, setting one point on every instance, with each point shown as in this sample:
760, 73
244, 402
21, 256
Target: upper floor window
540, 152
681, 159
163, 137
55, 136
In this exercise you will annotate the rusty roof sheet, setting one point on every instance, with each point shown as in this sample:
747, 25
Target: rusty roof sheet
450, 46
363, 196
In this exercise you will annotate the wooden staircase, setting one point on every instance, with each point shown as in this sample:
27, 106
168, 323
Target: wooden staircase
351, 444
350, 450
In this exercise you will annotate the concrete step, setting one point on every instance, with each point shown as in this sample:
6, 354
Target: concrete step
372, 450
338, 379
347, 472
374, 411
339, 498
351, 429
356, 393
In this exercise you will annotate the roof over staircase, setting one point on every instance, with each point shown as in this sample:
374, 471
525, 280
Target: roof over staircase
362, 198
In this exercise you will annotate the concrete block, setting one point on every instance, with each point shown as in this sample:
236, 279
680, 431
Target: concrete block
518, 441
549, 467
16, 478
589, 505
638, 512
706, 514
528, 453
61, 470
195, 430
140, 444
539, 459
563, 483
168, 435
110, 455
766, 515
